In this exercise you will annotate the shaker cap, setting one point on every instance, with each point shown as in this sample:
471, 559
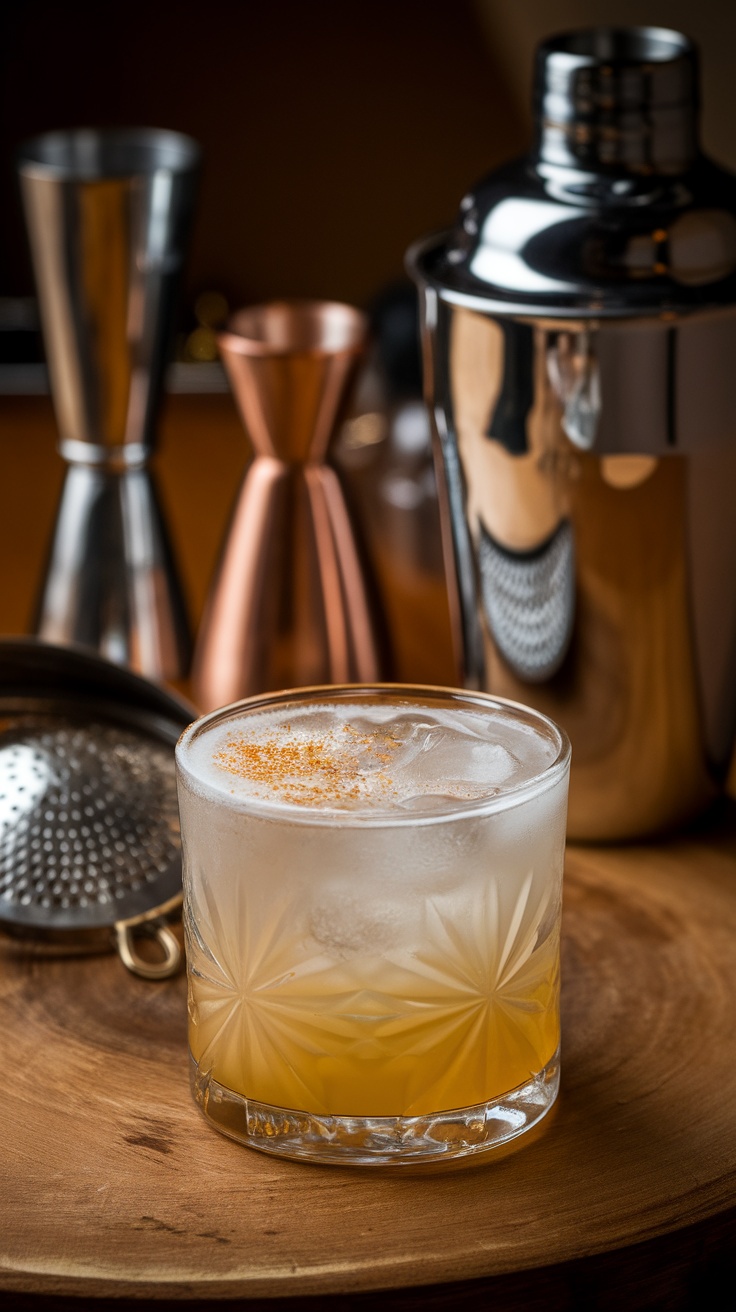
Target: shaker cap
615, 211
621, 99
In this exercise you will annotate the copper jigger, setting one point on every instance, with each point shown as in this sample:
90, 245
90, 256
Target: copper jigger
292, 603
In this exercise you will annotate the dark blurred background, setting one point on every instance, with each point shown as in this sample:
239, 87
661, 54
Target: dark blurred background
334, 131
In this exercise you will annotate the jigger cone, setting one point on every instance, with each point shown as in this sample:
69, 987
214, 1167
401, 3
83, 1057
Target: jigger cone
108, 215
292, 604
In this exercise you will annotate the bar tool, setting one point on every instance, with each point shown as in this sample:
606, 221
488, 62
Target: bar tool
108, 215
292, 602
579, 327
90, 853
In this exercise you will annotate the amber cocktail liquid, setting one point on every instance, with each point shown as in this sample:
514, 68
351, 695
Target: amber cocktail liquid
372, 884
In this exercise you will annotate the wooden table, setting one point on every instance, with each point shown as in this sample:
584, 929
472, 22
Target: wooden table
114, 1186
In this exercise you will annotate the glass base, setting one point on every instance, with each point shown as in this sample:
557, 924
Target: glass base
377, 1140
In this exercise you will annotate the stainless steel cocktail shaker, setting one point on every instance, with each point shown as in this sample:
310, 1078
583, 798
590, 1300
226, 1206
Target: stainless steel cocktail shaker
579, 327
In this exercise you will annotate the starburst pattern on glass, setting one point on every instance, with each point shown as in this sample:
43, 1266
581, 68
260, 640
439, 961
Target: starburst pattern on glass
467, 1012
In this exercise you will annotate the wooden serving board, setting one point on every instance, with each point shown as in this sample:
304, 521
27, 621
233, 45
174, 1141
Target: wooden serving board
113, 1185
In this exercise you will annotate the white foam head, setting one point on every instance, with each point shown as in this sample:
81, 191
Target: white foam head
369, 755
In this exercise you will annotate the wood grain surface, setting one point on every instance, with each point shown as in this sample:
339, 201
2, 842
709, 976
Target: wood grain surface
113, 1185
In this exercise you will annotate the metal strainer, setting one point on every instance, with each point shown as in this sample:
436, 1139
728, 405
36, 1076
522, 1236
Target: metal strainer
89, 822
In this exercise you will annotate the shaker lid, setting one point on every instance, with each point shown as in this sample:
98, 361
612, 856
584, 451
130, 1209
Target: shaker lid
614, 211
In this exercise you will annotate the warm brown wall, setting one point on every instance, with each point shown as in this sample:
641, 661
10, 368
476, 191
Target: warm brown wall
334, 132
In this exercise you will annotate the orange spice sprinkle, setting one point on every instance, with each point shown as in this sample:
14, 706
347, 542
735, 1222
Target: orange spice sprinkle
309, 772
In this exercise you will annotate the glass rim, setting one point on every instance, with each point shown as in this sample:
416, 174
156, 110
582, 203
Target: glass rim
414, 693
90, 154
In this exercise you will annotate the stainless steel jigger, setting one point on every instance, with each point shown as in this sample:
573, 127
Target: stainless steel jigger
108, 215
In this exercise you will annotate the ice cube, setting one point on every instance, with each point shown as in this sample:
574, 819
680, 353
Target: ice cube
348, 926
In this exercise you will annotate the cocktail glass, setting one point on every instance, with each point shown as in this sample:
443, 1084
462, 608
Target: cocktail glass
373, 882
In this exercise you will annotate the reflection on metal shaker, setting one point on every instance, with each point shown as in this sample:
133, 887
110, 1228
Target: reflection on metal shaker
579, 332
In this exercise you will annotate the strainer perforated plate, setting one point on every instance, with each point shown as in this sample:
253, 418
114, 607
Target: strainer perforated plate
89, 822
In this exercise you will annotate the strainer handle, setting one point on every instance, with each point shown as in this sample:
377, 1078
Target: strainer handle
125, 940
